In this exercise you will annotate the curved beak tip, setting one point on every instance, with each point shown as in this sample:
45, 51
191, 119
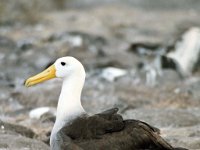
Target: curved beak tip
26, 83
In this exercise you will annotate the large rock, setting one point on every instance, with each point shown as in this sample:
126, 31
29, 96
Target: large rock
17, 137
18, 142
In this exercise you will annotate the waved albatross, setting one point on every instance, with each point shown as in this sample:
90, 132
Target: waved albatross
75, 130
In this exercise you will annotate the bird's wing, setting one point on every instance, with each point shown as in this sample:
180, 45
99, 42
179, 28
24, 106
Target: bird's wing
109, 112
146, 136
108, 130
90, 127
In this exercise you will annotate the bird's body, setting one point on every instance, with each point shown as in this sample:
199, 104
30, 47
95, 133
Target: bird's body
108, 131
75, 130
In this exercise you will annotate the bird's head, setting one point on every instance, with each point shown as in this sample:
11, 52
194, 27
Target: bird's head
64, 67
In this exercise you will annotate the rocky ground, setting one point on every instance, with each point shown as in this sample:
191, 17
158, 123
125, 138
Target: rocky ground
129, 36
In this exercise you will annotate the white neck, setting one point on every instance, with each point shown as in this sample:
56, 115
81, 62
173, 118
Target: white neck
69, 104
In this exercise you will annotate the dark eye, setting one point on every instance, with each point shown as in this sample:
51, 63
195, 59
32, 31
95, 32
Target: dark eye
63, 63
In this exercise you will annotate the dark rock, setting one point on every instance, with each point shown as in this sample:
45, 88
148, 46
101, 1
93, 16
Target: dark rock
145, 48
13, 128
25, 44
48, 117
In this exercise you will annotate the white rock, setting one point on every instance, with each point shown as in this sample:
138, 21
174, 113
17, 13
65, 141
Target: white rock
75, 41
38, 112
187, 50
111, 73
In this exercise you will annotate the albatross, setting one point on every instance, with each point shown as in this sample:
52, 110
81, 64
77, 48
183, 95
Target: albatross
74, 129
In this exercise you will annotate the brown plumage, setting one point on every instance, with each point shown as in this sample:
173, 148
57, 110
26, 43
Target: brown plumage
108, 131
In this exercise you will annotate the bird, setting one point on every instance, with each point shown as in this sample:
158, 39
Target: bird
74, 129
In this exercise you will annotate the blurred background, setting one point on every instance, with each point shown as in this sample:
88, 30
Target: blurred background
141, 56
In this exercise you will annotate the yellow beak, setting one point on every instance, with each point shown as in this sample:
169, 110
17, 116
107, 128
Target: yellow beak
47, 74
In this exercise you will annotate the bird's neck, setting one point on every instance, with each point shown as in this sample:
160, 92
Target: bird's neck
69, 104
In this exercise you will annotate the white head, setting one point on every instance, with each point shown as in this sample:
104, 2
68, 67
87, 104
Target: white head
69, 105
68, 66
64, 67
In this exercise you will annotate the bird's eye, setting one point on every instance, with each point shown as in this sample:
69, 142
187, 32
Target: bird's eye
63, 63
